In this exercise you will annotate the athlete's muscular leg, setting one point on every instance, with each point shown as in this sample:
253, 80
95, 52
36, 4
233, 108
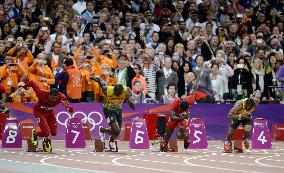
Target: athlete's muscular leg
247, 129
181, 132
52, 124
43, 130
113, 131
231, 133
168, 134
234, 125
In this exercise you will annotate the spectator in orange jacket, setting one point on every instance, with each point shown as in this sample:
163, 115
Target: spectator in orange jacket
24, 58
139, 77
22, 95
70, 81
41, 73
10, 74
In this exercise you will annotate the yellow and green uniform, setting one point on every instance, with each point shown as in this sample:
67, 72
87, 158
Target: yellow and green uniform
245, 121
112, 101
243, 101
113, 105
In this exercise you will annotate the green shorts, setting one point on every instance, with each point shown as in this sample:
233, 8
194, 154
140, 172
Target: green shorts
113, 116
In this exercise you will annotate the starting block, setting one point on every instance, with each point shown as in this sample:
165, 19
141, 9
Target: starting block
75, 134
261, 138
26, 129
172, 146
87, 131
125, 131
277, 132
99, 145
139, 138
197, 134
237, 140
12, 137
31, 147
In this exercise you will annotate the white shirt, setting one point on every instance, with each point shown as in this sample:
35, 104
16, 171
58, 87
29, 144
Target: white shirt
55, 58
79, 6
65, 43
217, 87
189, 23
167, 72
226, 71
119, 76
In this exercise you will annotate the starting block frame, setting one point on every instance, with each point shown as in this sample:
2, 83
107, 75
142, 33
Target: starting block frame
100, 146
172, 145
237, 139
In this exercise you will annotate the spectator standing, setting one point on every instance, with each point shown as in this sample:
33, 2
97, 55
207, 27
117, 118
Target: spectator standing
165, 76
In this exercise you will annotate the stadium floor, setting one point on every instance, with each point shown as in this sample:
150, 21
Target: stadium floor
127, 160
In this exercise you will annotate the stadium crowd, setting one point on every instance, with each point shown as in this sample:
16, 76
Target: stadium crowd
158, 48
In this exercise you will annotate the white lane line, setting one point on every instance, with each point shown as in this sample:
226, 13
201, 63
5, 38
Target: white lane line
17, 161
212, 167
115, 161
266, 165
43, 161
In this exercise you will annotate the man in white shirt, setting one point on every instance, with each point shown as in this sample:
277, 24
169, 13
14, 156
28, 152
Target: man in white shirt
79, 6
224, 70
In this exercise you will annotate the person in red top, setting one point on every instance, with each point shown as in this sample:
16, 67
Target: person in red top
45, 116
179, 116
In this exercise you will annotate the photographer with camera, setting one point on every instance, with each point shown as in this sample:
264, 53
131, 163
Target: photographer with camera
41, 73
10, 74
22, 95
241, 80
24, 56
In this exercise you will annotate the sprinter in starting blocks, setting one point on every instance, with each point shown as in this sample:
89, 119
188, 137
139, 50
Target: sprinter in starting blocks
112, 108
240, 114
179, 117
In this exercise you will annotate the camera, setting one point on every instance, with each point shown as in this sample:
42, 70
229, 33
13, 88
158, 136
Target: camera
89, 57
240, 65
12, 64
106, 53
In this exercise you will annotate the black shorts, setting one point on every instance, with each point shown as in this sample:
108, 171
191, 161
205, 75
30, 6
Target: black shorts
236, 122
113, 116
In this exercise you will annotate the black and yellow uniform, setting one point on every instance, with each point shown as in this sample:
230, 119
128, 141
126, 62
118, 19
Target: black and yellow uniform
235, 122
113, 104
